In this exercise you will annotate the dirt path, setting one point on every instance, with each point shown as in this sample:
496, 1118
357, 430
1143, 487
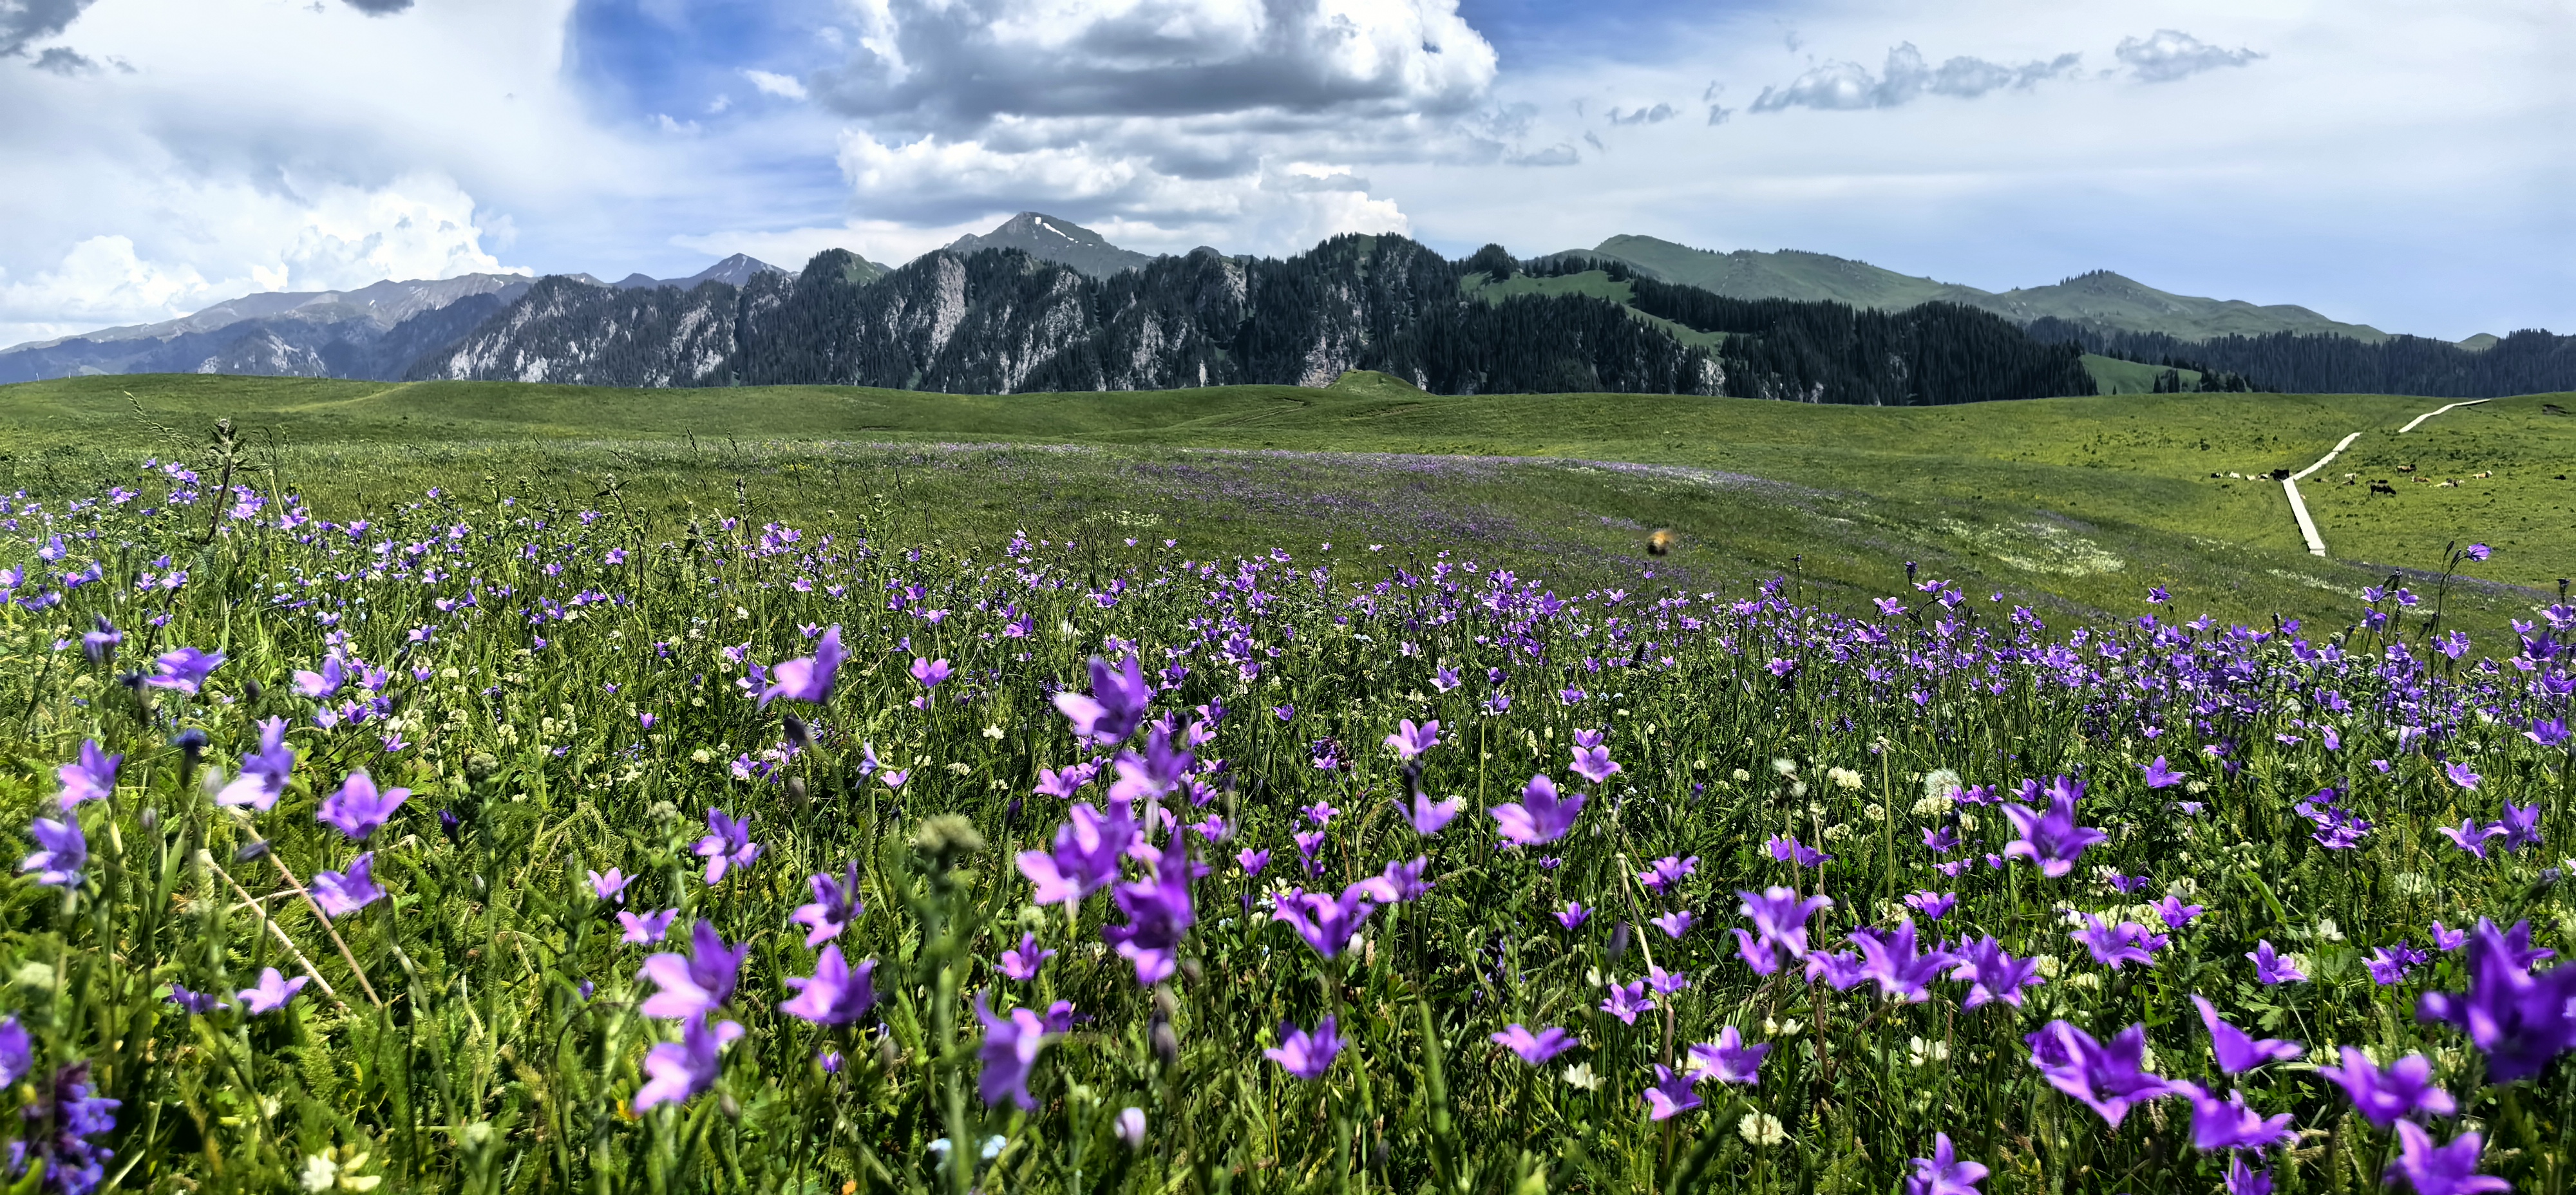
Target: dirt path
2299, 506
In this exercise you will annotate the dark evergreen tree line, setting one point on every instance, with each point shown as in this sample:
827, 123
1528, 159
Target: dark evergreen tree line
2527, 362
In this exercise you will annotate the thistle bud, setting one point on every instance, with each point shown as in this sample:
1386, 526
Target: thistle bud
796, 794
947, 840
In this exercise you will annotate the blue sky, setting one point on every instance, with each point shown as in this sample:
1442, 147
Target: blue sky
2381, 161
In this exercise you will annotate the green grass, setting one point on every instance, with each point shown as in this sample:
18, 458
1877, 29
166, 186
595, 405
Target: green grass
2076, 504
2116, 376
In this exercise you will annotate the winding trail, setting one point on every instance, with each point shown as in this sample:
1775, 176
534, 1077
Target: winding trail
2299, 506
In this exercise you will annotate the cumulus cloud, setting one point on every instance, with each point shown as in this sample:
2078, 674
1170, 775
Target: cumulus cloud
785, 87
954, 66
1907, 77
380, 8
24, 21
1175, 119
2172, 54
63, 60
1654, 115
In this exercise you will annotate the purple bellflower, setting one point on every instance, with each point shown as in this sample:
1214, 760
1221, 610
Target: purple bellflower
357, 808
836, 904
2519, 1020
2385, 1096
2108, 1078
807, 678
836, 994
2236, 1050
1306, 1055
1085, 859
2228, 1124
1903, 972
1428, 816
696, 982
674, 1071
1539, 817
2272, 967
1670, 1096
93, 776
342, 893
1021, 962
321, 685
2116, 946
1410, 740
1625, 1001
647, 928
1992, 974
184, 670
1115, 707
1780, 917
2162, 775
1728, 1059
1534, 1048
2050, 838
2441, 1169
610, 886
1159, 915
273, 992
728, 844
61, 851
1325, 922
1943, 1173
264, 773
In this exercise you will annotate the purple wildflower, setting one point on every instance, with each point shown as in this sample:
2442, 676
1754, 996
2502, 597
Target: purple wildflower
1780, 917
836, 994
1325, 922
1159, 915
1573, 915
1593, 763
675, 1071
2243, 1179
61, 851
184, 670
2441, 1169
1674, 925
1943, 1173
1728, 1059
194, 1002
2520, 827
836, 904
2228, 1124
694, 983
1428, 816
2162, 775
1903, 972
1625, 1001
1668, 871
273, 992
264, 773
1670, 1096
1787, 849
1400, 883
727, 844
2176, 914
1115, 707
1306, 1055
2461, 775
2271, 966
2117, 946
2518, 1019
343, 893
1992, 974
1085, 860
647, 928
1933, 905
2471, 837
93, 776
2384, 1096
2107, 1078
929, 672
1021, 963
1410, 740
320, 685
357, 809
807, 678
1538, 817
2236, 1050
610, 886
2050, 838
1534, 1048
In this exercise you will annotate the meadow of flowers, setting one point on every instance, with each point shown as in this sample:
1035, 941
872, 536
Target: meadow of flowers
489, 845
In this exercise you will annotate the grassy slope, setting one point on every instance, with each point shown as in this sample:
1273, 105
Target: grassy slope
2116, 376
2042, 499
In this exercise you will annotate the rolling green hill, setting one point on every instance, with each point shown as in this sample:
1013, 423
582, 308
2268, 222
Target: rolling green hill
2067, 504
2100, 299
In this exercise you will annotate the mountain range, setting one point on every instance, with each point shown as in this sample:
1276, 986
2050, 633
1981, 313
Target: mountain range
1066, 308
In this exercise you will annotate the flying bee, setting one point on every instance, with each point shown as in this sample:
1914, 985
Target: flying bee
1661, 542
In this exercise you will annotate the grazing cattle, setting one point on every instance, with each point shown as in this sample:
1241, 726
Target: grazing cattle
2381, 487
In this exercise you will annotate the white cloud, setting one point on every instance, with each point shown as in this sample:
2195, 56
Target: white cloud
2172, 54
785, 87
1906, 78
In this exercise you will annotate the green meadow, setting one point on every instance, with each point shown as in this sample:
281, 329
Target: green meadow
2076, 504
